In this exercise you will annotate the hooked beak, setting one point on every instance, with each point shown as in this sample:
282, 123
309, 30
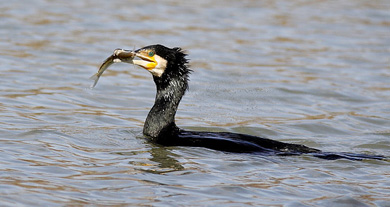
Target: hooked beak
146, 60
144, 57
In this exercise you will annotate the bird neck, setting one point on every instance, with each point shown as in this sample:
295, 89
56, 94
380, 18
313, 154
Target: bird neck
161, 118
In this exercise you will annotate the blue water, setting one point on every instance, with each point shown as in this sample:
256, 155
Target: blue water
307, 72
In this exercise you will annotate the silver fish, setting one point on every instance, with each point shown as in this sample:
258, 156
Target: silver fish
119, 55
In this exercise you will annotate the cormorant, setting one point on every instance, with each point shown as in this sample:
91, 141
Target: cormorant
170, 70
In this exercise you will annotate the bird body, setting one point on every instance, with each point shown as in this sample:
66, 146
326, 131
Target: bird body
169, 67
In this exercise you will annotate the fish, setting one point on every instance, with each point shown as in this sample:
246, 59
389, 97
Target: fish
119, 55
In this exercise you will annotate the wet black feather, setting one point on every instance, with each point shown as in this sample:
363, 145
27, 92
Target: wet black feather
160, 124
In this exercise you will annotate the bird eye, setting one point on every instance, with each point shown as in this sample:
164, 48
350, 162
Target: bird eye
151, 53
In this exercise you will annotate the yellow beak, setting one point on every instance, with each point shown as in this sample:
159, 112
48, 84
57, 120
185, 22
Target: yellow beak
145, 61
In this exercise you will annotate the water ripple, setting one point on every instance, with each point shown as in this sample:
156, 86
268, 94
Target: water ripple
306, 72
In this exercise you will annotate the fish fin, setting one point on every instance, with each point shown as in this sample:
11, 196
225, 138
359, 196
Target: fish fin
95, 78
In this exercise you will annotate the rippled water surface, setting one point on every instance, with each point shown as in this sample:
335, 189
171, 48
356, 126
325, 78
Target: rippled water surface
308, 72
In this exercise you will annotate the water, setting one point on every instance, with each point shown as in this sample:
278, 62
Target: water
308, 72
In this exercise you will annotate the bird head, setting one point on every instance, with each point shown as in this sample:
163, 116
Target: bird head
160, 60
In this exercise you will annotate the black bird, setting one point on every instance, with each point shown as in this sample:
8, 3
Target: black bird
170, 70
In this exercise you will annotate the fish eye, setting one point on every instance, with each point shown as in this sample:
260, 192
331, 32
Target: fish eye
151, 53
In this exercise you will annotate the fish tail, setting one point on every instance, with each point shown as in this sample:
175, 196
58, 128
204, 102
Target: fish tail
95, 78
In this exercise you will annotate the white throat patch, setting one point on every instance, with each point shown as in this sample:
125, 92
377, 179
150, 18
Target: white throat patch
160, 67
